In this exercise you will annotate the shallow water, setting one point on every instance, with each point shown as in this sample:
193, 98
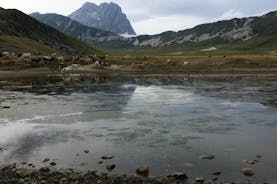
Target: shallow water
166, 124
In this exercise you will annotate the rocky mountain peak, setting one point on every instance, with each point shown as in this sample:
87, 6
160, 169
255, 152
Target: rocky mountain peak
106, 16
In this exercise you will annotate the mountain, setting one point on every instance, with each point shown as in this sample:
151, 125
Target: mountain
20, 32
226, 31
106, 16
75, 29
245, 35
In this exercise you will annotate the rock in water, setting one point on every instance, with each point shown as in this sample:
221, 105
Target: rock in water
207, 157
251, 161
107, 157
143, 170
110, 167
248, 172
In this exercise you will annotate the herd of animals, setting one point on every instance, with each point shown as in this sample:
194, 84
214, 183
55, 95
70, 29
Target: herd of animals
75, 61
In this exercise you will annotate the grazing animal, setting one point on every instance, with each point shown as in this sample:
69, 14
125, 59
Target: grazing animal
5, 54
26, 55
47, 58
69, 69
61, 59
99, 64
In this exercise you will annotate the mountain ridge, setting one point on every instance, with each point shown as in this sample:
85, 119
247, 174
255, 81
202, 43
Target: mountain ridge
75, 29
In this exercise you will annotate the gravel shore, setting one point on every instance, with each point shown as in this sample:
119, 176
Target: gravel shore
15, 174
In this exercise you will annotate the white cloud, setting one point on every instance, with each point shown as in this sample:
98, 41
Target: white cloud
172, 23
155, 16
231, 14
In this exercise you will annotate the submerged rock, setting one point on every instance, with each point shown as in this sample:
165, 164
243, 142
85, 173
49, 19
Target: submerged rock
207, 157
143, 170
248, 172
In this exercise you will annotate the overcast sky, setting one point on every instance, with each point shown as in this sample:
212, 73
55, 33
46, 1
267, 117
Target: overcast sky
155, 16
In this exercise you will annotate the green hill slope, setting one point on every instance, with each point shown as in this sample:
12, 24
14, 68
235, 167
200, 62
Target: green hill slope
20, 32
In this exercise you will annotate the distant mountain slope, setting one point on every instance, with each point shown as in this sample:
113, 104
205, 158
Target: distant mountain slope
75, 29
18, 25
106, 16
227, 31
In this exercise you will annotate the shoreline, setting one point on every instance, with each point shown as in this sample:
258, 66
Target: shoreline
16, 173
45, 72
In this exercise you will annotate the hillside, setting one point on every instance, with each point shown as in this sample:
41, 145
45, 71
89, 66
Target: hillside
75, 29
16, 26
246, 35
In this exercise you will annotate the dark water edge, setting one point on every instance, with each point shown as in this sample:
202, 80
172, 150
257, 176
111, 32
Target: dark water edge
132, 118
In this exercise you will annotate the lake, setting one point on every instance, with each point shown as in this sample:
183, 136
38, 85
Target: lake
166, 123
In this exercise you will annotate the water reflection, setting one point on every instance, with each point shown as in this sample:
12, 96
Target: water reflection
164, 123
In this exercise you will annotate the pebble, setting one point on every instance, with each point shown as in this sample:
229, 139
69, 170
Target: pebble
110, 167
143, 170
180, 175
207, 157
53, 163
248, 172
86, 151
100, 162
107, 157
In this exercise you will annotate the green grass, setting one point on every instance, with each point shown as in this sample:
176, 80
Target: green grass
18, 45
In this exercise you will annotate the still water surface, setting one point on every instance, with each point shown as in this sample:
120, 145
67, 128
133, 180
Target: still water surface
166, 124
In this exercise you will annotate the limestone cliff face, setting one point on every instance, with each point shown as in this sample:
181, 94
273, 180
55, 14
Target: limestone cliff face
106, 16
